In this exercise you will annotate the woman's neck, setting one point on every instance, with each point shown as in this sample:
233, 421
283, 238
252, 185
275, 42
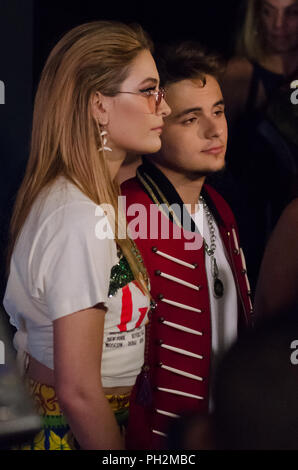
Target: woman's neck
114, 161
283, 64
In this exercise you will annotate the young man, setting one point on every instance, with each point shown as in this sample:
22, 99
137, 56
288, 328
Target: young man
201, 290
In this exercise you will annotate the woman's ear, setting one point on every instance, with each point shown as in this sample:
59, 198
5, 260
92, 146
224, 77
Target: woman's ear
99, 108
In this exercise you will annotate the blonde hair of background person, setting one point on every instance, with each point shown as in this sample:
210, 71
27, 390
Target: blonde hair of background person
250, 41
77, 94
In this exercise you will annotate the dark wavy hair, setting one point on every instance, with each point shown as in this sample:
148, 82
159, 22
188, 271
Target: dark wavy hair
186, 60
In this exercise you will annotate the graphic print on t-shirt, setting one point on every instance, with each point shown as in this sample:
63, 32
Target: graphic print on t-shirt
132, 317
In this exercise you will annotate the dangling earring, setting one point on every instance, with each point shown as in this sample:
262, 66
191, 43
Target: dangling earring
103, 139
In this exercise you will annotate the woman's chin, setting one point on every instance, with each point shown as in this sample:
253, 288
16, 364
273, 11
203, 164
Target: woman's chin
154, 146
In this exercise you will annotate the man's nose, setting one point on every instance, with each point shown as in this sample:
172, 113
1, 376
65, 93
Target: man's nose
213, 129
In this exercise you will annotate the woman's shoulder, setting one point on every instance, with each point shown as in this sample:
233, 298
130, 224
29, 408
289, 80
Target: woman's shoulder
64, 192
61, 198
285, 232
68, 222
289, 216
60, 212
238, 68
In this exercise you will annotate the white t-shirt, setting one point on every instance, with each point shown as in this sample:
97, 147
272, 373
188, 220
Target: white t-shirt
224, 310
59, 266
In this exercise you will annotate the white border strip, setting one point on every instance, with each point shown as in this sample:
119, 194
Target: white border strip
182, 328
159, 433
176, 260
177, 304
167, 413
179, 281
235, 239
182, 372
178, 392
243, 259
181, 351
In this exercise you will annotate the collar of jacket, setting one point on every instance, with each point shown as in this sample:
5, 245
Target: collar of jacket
162, 192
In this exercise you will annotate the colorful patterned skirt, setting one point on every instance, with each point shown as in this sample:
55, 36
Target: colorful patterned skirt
56, 433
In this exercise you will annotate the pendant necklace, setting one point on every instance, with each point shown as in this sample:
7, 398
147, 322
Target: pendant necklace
218, 287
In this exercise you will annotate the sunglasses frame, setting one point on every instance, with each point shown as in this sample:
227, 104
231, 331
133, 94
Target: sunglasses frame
159, 95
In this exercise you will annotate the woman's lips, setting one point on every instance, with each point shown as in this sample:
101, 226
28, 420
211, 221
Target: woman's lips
214, 150
158, 129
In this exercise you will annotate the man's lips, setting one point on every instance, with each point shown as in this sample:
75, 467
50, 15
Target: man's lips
214, 150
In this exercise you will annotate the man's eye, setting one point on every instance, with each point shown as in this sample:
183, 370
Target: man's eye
219, 112
189, 121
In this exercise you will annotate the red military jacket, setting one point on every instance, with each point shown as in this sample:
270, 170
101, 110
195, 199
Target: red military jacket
176, 373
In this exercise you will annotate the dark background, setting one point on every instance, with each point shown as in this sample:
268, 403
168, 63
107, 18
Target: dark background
211, 22
30, 28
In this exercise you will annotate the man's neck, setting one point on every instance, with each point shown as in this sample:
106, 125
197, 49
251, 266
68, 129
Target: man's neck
187, 186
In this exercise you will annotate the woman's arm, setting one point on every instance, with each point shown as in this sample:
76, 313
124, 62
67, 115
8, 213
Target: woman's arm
78, 342
277, 287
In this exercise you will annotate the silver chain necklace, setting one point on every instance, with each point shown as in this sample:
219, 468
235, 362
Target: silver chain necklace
218, 287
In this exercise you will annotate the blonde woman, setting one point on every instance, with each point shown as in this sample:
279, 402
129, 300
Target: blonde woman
266, 54
77, 292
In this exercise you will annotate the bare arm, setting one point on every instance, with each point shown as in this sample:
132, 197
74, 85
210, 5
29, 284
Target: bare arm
78, 341
277, 288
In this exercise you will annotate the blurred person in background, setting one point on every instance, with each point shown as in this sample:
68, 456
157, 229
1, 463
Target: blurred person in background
255, 394
261, 158
256, 404
277, 283
266, 55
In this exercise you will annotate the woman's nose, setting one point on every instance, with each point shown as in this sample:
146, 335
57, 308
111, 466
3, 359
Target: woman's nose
279, 20
163, 109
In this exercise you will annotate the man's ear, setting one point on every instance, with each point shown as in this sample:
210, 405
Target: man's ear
99, 108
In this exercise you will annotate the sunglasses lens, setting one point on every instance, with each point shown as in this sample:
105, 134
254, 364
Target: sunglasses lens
159, 97
153, 103
155, 100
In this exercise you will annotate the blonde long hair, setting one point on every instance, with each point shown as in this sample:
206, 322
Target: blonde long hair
65, 141
250, 42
